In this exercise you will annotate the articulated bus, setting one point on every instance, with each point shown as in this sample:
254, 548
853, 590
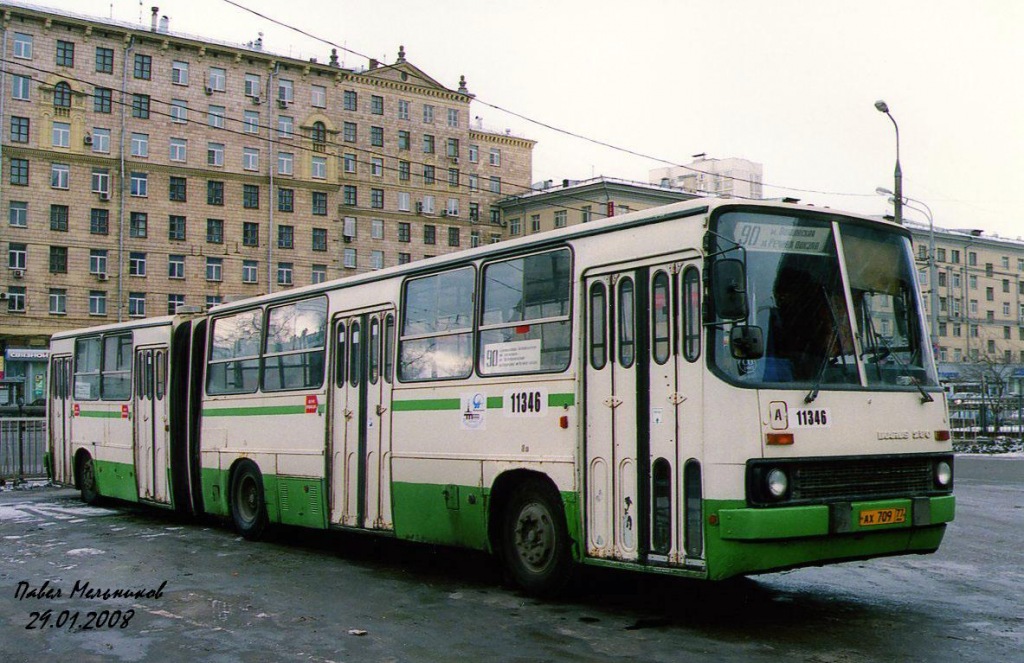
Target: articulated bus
707, 389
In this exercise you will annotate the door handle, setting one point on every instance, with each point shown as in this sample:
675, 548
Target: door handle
381, 410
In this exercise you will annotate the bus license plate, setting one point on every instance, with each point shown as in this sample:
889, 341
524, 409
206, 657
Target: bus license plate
883, 516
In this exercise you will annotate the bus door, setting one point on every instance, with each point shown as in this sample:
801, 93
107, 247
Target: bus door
613, 498
360, 444
674, 415
151, 427
60, 418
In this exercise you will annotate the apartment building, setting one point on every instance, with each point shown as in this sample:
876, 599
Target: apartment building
144, 170
733, 176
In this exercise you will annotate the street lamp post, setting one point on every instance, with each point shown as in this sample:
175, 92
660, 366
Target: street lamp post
933, 297
898, 173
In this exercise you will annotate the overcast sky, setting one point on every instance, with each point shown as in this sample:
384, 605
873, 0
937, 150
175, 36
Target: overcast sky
787, 83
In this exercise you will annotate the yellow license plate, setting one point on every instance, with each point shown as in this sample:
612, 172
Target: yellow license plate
892, 516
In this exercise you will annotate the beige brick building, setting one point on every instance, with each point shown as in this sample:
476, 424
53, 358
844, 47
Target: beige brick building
143, 170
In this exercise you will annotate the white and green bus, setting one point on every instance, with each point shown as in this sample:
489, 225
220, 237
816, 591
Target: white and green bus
706, 389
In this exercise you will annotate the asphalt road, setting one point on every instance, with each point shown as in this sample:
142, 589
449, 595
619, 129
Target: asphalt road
316, 596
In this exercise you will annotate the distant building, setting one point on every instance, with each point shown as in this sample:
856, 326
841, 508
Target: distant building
550, 206
720, 177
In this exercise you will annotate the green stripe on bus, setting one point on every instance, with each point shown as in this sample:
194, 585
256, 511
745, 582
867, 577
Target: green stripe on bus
100, 414
493, 403
257, 411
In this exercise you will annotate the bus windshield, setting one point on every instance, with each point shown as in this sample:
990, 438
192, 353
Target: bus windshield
837, 304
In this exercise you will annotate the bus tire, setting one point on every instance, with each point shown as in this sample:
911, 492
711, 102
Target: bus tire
248, 507
87, 480
535, 539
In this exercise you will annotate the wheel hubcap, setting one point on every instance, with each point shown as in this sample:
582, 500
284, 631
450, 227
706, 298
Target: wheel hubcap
534, 536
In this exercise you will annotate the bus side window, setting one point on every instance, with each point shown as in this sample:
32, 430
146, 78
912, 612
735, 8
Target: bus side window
598, 328
691, 314
627, 345
373, 368
339, 355
659, 317
161, 374
353, 368
389, 347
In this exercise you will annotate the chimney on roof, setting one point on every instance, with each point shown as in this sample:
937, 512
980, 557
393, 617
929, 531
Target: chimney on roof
374, 63
155, 10
165, 24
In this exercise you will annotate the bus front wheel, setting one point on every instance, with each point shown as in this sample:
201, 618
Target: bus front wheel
248, 507
535, 540
87, 479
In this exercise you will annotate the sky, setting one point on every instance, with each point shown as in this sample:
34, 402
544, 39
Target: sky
790, 84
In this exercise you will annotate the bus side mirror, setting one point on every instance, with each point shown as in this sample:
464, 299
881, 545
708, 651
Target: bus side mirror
746, 342
729, 289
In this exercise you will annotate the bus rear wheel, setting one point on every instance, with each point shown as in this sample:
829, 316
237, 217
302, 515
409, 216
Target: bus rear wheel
248, 507
535, 540
87, 480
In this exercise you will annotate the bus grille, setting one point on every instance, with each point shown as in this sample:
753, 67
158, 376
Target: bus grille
861, 479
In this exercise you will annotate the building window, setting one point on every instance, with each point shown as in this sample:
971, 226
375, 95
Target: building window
58, 301
349, 258
377, 136
214, 269
214, 192
377, 105
218, 79
403, 109
250, 158
176, 228
175, 266
62, 95
319, 239
16, 299
21, 88
58, 260
404, 140
428, 144
173, 302
286, 200
377, 260
474, 183
19, 172
561, 217
136, 263
178, 149
377, 228
98, 261
22, 46
428, 174
350, 100
453, 117
349, 163
350, 195
250, 196
99, 221
318, 274
453, 236
404, 171
60, 176
285, 126
252, 85
428, 204
144, 67
377, 198
101, 181
404, 258
59, 218
139, 185
177, 189
404, 201
250, 233
285, 237
319, 203
65, 53
215, 231
140, 106
452, 208
19, 129
251, 122
318, 134
319, 168
61, 134
140, 145
285, 161
97, 302
428, 114
514, 227
179, 111
474, 153
215, 154
179, 72
284, 273
18, 214
318, 96
404, 232
453, 177
429, 234
137, 304
348, 132
137, 225
215, 116
474, 238
249, 269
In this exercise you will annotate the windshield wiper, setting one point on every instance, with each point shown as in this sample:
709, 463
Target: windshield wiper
813, 393
889, 351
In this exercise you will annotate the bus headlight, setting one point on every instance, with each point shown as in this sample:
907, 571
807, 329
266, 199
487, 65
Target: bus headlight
777, 483
943, 474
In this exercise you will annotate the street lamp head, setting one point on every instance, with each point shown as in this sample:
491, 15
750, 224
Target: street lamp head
882, 191
882, 106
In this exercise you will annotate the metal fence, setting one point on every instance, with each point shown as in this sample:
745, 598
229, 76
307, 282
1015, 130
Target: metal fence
22, 448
